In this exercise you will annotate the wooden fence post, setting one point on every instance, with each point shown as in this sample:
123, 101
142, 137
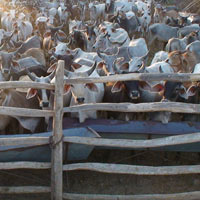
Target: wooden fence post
57, 143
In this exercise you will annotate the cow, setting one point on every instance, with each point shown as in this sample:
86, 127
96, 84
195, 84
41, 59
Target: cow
186, 30
117, 37
138, 91
16, 68
84, 93
36, 53
31, 42
127, 21
78, 39
161, 32
137, 51
176, 44
13, 98
182, 61
25, 29
63, 13
52, 37
97, 12
159, 57
194, 48
68, 62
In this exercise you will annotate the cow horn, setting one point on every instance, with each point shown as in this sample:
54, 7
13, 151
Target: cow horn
90, 71
70, 41
50, 76
100, 54
67, 73
142, 68
54, 54
31, 76
116, 69
55, 28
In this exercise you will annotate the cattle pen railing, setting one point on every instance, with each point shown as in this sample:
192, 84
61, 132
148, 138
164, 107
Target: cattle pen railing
57, 139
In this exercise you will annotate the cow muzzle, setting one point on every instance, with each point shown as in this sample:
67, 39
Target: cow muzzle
134, 95
80, 100
5, 71
44, 104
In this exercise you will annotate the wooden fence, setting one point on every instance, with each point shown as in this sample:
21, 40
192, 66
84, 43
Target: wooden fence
57, 139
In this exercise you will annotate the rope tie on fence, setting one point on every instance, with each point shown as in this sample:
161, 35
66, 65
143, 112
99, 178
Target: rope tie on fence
52, 143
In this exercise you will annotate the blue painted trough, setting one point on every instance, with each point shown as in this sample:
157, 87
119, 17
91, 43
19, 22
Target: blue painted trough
106, 129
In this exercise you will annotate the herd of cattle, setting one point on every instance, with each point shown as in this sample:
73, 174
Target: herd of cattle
96, 39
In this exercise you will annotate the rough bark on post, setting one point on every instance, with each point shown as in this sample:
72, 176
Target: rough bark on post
57, 144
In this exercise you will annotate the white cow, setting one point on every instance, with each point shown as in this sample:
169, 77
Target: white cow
159, 56
85, 93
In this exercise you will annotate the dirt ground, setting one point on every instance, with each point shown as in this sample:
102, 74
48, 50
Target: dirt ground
101, 183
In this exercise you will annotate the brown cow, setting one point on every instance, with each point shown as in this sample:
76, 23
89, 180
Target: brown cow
183, 62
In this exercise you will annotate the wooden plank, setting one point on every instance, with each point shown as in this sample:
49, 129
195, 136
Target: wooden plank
176, 196
24, 190
57, 151
25, 84
124, 143
178, 77
35, 141
140, 107
24, 165
133, 169
24, 112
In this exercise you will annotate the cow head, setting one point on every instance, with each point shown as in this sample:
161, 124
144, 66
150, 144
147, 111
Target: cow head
102, 42
80, 92
182, 61
43, 95
107, 64
7, 61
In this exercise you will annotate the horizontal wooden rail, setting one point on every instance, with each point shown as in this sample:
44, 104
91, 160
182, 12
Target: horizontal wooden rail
125, 143
26, 84
140, 107
25, 190
25, 112
176, 196
133, 169
178, 77
24, 165
34, 141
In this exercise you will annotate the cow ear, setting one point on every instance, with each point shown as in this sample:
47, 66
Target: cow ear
18, 56
47, 34
15, 25
100, 65
92, 87
144, 85
117, 87
113, 30
23, 23
76, 65
66, 88
124, 66
158, 88
61, 34
52, 68
31, 93
15, 63
192, 90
